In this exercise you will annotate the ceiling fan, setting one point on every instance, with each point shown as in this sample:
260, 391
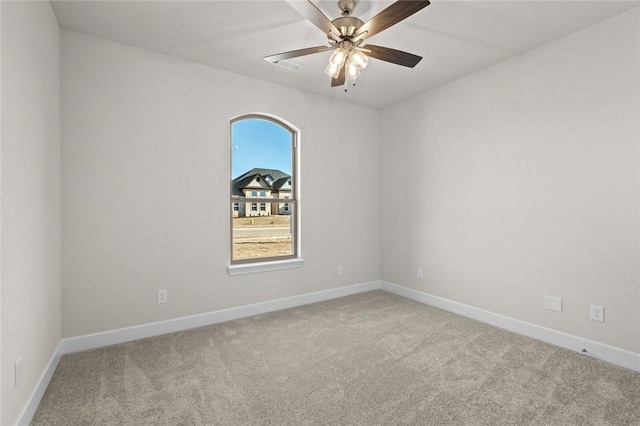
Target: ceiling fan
346, 34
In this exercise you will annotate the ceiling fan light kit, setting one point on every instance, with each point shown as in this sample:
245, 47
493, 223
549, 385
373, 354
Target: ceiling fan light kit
353, 60
346, 33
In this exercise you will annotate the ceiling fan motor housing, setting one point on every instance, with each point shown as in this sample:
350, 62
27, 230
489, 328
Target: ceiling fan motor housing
347, 26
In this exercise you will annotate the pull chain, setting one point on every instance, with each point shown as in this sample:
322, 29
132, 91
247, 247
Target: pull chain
346, 82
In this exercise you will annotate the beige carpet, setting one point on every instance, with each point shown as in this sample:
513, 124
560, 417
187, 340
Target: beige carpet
368, 359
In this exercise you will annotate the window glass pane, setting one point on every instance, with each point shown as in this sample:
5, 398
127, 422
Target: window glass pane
263, 236
262, 167
261, 159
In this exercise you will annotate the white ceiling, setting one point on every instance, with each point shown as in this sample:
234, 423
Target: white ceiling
455, 38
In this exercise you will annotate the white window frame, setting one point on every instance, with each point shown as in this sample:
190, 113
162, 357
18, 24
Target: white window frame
295, 260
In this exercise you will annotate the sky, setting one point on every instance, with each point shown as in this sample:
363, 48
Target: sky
259, 143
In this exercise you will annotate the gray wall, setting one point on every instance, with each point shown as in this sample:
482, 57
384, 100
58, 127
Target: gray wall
30, 197
522, 180
146, 187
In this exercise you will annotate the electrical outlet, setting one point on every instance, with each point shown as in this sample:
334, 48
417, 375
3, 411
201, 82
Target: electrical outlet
162, 296
18, 372
339, 269
597, 313
420, 273
553, 303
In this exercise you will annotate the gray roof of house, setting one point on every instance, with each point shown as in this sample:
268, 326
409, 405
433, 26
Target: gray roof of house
280, 183
279, 179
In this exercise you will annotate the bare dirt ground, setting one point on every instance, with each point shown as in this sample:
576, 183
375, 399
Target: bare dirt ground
254, 249
261, 247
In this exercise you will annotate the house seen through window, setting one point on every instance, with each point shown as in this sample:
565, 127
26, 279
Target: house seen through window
263, 190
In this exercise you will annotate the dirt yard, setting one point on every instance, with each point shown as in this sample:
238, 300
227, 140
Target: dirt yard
255, 247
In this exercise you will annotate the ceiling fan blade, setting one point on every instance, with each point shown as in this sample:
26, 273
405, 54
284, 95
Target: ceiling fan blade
295, 53
313, 14
340, 80
394, 56
393, 14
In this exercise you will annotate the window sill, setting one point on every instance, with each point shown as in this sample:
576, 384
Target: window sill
253, 268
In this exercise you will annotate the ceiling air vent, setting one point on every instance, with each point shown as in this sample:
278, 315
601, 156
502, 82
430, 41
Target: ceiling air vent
289, 65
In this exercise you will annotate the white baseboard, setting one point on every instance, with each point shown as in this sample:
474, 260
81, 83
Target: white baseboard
621, 357
122, 335
36, 396
607, 353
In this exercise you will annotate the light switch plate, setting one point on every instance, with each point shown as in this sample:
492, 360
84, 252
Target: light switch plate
553, 303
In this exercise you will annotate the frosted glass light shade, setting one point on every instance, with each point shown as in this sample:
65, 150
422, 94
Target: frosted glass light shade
352, 70
333, 70
336, 61
338, 56
360, 59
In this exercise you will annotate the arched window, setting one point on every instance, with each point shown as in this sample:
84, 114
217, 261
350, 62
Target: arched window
264, 192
